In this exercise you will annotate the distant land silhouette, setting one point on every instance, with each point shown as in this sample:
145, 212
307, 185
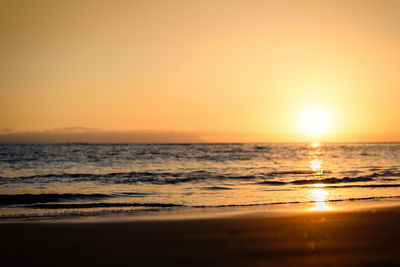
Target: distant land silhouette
91, 135
95, 135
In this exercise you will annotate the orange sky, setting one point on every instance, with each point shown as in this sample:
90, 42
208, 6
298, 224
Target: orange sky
210, 66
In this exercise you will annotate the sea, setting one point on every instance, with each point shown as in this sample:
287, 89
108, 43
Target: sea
80, 180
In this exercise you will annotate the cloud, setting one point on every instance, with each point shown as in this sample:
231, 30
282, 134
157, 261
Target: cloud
95, 135
74, 130
91, 135
7, 130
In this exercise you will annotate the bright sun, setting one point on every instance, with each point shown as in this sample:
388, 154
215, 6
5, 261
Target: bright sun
315, 122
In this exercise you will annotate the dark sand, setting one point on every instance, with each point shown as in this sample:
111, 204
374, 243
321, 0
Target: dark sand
362, 238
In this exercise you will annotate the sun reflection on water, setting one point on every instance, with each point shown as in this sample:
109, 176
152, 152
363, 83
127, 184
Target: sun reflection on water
315, 144
319, 196
315, 165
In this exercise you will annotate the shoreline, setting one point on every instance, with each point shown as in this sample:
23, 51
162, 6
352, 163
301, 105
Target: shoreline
185, 213
346, 238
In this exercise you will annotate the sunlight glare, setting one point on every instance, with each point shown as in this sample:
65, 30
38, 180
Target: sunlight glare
315, 122
319, 196
316, 166
315, 145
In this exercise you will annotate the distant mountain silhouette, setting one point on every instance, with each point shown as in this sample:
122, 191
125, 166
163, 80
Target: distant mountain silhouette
89, 135
94, 135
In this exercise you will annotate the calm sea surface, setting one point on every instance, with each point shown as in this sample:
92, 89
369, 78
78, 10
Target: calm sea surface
58, 180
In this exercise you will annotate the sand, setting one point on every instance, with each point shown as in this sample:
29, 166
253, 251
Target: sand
342, 238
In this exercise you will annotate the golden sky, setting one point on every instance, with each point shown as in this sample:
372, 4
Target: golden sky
221, 66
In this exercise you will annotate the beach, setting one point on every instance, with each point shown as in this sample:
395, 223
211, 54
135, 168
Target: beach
365, 237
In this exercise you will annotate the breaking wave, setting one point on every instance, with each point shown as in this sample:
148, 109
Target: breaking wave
18, 199
79, 209
199, 176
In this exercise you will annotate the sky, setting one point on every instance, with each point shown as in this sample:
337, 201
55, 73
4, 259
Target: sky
275, 70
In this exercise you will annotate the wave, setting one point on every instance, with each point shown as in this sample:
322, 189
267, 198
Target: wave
280, 173
364, 186
217, 188
319, 181
133, 177
175, 205
101, 205
74, 210
272, 183
333, 180
19, 199
297, 202
199, 176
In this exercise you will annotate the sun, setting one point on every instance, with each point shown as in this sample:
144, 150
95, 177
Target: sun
315, 122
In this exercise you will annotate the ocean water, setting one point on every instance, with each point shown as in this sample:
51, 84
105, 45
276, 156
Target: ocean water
67, 180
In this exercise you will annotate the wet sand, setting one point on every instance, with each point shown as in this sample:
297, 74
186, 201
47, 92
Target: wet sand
361, 238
